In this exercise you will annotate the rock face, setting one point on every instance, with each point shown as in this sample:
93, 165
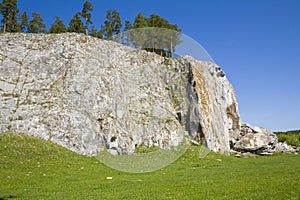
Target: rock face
213, 112
87, 94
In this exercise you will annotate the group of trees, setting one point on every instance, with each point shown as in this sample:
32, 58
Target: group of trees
12, 21
161, 41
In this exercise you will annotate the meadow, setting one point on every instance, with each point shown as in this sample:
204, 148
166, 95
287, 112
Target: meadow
32, 168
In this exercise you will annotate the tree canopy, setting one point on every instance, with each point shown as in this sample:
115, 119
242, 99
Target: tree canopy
86, 14
112, 24
153, 33
24, 22
140, 21
128, 25
9, 12
76, 25
58, 26
36, 25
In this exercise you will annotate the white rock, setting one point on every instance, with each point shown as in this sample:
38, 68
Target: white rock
253, 142
89, 94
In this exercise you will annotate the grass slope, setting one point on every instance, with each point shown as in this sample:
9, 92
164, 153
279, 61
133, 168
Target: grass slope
31, 168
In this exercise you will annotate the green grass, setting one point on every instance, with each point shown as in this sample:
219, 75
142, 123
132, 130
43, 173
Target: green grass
31, 168
145, 149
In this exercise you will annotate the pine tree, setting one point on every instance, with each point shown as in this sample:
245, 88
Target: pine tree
124, 37
168, 37
140, 21
157, 21
36, 25
58, 26
161, 41
138, 37
9, 12
76, 25
112, 24
94, 32
128, 26
85, 13
24, 22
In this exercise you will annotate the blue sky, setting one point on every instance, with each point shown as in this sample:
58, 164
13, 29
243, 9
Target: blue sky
256, 42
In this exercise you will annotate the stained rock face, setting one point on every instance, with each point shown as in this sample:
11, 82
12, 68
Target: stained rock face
213, 112
89, 94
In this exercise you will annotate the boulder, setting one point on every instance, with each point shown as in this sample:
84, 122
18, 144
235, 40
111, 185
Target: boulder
283, 147
256, 142
247, 128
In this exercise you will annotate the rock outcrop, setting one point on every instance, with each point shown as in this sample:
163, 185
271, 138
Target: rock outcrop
213, 113
255, 139
89, 94
254, 142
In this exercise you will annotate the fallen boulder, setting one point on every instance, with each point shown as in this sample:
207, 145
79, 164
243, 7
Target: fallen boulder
256, 142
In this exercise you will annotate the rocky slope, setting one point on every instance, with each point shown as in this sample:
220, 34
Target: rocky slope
87, 94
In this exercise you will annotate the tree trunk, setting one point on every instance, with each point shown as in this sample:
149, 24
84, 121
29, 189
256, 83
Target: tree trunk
4, 27
171, 50
86, 26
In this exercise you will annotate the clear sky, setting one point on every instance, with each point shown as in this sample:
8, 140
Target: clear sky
256, 42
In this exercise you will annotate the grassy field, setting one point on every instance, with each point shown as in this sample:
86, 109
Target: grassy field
31, 168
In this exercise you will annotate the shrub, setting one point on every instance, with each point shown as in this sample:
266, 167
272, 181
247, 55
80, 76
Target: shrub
282, 137
290, 137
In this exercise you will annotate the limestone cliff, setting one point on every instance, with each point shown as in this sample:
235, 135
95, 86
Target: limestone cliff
87, 94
